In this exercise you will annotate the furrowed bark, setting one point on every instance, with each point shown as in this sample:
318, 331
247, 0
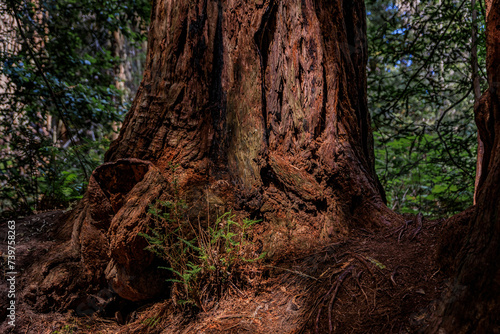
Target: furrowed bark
472, 304
262, 106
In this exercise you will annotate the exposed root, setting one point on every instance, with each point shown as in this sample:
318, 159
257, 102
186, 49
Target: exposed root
340, 279
393, 280
419, 224
356, 278
367, 283
417, 221
341, 305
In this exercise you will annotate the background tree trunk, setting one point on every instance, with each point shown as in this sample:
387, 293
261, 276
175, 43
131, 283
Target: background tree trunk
262, 106
472, 304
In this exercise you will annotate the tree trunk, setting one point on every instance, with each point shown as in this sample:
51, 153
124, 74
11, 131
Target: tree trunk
473, 303
262, 107
476, 88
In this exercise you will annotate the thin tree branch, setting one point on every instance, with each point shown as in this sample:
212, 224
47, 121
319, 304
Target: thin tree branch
57, 101
427, 60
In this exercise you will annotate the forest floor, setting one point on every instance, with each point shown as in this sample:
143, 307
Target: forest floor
383, 282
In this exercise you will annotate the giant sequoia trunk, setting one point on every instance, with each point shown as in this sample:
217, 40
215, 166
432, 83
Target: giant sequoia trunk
269, 96
262, 106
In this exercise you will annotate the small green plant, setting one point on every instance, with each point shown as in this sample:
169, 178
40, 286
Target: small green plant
67, 329
152, 322
202, 258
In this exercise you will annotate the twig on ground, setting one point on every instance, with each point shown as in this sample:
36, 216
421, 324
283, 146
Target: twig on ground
235, 288
363, 261
400, 230
235, 316
295, 272
435, 273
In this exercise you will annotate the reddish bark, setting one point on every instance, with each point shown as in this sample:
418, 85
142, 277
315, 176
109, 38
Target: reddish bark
229, 86
472, 304
262, 105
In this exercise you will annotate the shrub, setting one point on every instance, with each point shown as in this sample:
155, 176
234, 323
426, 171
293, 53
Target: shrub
203, 259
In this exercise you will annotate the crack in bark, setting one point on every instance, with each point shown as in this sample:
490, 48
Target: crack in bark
218, 147
357, 60
182, 41
262, 39
322, 116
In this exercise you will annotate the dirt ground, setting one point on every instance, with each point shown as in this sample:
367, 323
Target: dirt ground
383, 282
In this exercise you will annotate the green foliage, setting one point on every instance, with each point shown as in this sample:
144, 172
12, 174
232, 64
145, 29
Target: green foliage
434, 187
421, 100
67, 329
59, 99
152, 322
201, 259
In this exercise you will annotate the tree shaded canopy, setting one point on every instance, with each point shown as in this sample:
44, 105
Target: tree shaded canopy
420, 91
61, 93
